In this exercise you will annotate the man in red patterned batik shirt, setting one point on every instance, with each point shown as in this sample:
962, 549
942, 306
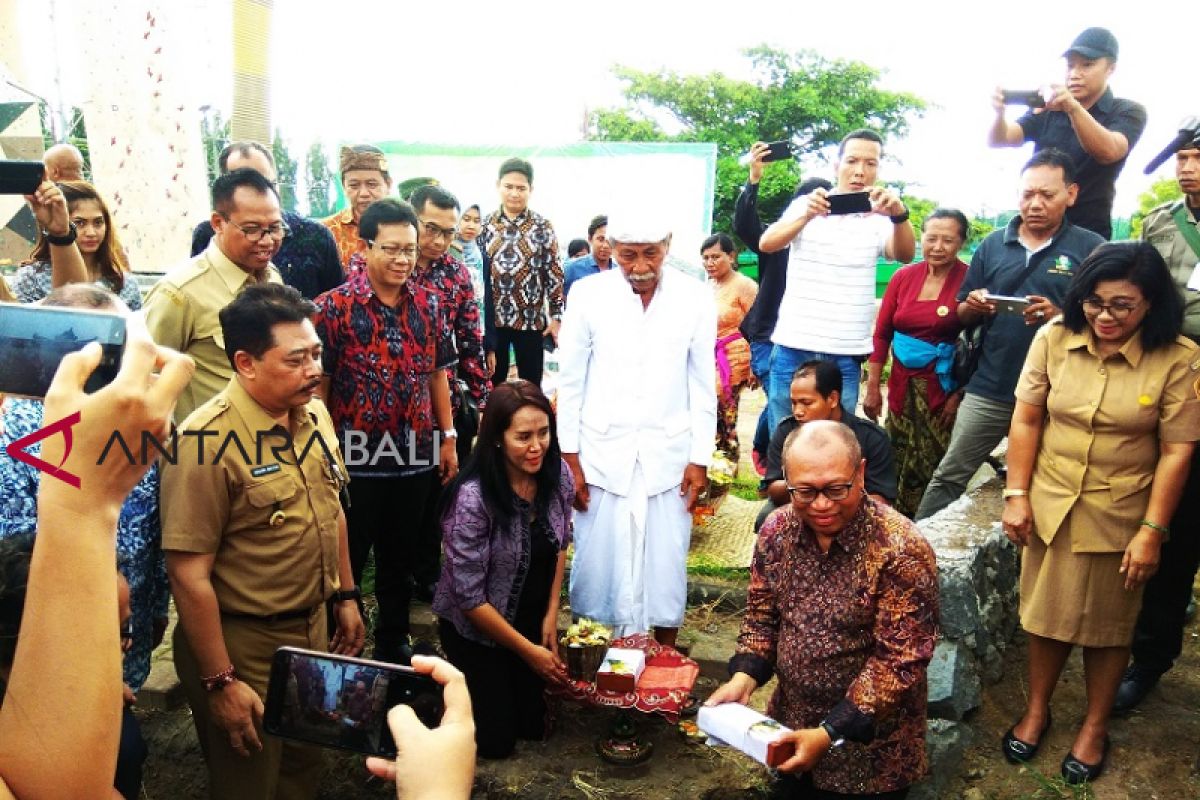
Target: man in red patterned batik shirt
385, 359
843, 607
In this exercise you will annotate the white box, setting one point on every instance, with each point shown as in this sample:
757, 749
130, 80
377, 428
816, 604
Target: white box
620, 670
755, 734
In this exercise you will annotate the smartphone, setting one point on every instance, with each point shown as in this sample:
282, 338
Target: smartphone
1019, 97
1007, 304
342, 702
849, 203
21, 177
778, 151
34, 339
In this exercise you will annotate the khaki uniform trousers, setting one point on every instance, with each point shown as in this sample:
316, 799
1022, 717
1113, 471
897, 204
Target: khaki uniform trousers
283, 769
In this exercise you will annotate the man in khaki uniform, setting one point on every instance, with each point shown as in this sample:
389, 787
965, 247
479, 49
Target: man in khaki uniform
1158, 637
256, 545
181, 309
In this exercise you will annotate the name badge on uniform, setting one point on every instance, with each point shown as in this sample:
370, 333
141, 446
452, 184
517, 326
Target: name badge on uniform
265, 469
1194, 281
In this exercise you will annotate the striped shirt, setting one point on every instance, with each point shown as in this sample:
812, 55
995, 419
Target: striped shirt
829, 303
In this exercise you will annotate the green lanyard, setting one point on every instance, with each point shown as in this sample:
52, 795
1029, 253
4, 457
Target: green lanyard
1184, 223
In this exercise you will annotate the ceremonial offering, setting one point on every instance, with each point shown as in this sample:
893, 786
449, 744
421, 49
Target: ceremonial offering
620, 670
585, 644
755, 734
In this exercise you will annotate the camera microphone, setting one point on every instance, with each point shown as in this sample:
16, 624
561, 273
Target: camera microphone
1188, 130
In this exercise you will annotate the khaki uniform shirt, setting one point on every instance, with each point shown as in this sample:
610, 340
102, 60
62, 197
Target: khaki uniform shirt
1099, 446
1160, 230
271, 521
181, 313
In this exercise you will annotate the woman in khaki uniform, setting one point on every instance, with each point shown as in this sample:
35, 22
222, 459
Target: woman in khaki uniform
1101, 438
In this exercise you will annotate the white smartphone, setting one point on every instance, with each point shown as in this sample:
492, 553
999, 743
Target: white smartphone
1007, 304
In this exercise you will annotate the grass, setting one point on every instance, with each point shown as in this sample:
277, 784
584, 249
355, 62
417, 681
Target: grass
704, 566
1055, 788
745, 486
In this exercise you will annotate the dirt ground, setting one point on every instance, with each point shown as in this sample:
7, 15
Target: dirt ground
1154, 751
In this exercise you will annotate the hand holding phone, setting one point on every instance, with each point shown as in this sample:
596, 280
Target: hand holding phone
849, 203
342, 702
34, 340
438, 762
1033, 98
1008, 304
774, 151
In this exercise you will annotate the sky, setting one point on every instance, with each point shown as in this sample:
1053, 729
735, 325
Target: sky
525, 72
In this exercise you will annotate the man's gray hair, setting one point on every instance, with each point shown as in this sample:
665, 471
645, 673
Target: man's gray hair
821, 434
83, 295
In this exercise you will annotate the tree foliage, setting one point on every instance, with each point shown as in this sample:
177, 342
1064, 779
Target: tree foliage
1161, 191
801, 97
319, 178
75, 134
285, 171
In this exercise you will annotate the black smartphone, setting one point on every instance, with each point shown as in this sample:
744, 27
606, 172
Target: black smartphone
1020, 97
778, 151
849, 203
21, 177
34, 339
342, 702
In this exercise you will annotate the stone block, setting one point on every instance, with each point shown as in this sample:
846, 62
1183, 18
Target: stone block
946, 743
953, 681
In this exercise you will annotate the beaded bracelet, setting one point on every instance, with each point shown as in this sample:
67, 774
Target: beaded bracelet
220, 680
1165, 531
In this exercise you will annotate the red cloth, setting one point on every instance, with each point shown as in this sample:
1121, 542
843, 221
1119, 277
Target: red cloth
901, 311
662, 688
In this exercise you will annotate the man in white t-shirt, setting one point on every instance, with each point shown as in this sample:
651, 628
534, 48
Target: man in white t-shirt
828, 307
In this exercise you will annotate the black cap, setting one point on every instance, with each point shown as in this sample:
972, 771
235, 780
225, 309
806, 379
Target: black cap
1094, 43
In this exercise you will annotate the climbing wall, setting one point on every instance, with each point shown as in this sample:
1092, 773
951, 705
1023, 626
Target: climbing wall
154, 65
20, 139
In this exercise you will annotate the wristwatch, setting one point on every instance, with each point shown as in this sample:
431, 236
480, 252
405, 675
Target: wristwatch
350, 594
896, 220
450, 433
835, 738
1007, 493
67, 238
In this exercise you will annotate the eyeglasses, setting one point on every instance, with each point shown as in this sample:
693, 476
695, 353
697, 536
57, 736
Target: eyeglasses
1117, 310
438, 232
255, 233
393, 251
808, 494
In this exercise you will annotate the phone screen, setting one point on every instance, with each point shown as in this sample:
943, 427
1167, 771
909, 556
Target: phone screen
849, 203
778, 151
342, 702
34, 339
21, 177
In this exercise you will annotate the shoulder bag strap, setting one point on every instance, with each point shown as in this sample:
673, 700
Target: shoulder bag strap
1190, 234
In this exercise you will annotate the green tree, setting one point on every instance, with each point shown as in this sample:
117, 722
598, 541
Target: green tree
1161, 191
214, 136
802, 97
76, 132
319, 178
285, 172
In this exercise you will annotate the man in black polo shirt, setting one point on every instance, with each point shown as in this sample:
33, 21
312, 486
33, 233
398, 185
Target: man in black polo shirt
1085, 121
816, 391
1034, 257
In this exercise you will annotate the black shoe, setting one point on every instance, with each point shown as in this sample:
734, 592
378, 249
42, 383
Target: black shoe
401, 653
1017, 751
1135, 685
1075, 772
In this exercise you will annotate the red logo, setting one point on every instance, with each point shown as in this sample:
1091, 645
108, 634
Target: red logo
16, 449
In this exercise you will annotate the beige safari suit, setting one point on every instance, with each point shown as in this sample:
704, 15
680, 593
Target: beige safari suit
1160, 230
181, 313
272, 522
1093, 474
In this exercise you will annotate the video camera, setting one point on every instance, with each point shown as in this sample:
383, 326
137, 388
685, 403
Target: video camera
1189, 132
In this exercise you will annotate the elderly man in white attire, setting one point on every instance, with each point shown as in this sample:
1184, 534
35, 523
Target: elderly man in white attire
637, 414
